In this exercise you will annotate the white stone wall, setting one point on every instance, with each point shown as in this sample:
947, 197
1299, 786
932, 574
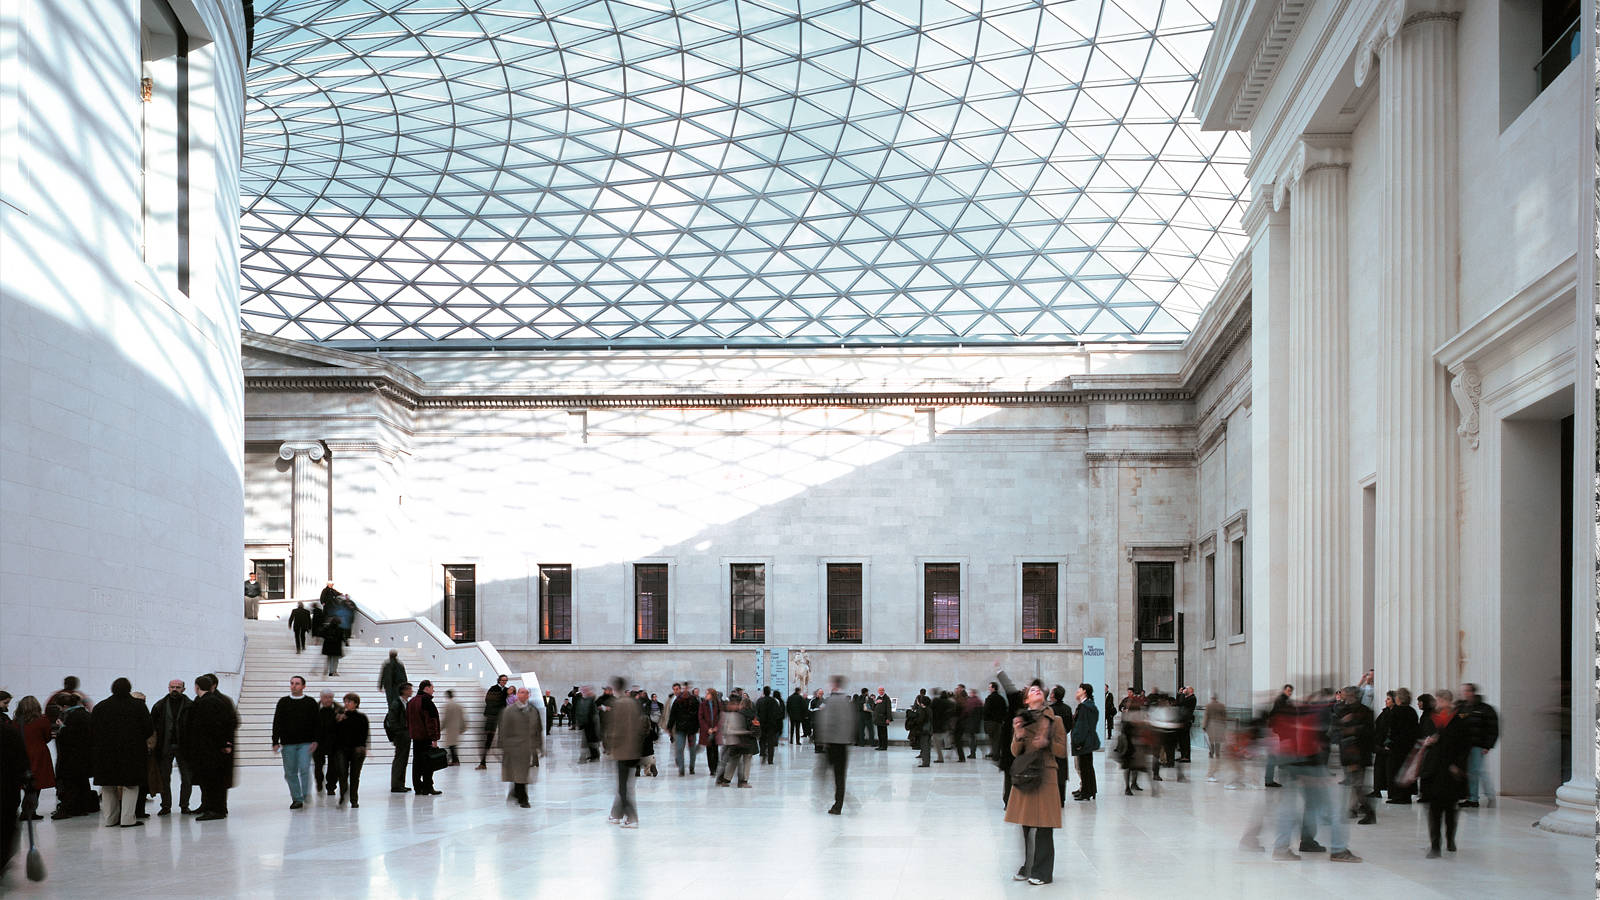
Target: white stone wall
120, 411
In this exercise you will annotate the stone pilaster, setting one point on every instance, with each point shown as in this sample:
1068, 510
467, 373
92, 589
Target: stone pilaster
1320, 610
309, 516
1414, 46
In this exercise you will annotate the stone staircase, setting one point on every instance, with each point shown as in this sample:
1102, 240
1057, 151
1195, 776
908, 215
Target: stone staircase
270, 660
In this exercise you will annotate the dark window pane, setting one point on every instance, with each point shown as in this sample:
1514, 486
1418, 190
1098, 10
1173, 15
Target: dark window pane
270, 572
461, 603
844, 603
1155, 608
555, 604
941, 603
1211, 596
749, 602
1238, 586
650, 603
1040, 608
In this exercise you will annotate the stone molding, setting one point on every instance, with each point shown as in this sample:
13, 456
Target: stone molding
1207, 543
1159, 552
1166, 459
312, 450
1270, 51
1467, 388
336, 447
1237, 525
1393, 15
1311, 152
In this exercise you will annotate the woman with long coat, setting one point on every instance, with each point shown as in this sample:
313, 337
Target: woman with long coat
333, 647
120, 753
1443, 774
1402, 736
36, 727
1039, 731
520, 734
710, 718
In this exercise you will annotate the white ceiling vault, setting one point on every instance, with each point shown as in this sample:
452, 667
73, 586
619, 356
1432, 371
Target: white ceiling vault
589, 173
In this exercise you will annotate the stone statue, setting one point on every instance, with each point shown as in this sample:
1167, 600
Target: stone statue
800, 671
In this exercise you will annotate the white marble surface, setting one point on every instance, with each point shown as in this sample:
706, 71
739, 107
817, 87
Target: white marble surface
906, 832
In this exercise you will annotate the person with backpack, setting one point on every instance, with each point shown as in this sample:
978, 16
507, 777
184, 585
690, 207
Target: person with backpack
1038, 738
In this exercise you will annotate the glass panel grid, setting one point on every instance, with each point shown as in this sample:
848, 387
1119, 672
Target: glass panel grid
577, 173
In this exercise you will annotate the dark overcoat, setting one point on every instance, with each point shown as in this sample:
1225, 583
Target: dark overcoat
119, 752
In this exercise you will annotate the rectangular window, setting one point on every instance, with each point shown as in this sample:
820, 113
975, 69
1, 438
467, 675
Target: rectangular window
461, 603
164, 142
941, 603
271, 574
555, 604
1211, 596
1040, 611
1155, 601
749, 602
650, 603
1237, 568
1559, 39
844, 603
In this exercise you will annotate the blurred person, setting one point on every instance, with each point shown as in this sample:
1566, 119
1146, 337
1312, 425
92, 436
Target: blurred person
5, 707
1303, 760
300, 624
16, 781
624, 735
971, 719
295, 723
69, 686
769, 716
1365, 690
521, 736
683, 725
994, 716
1483, 730
1038, 739
1446, 745
1131, 749
919, 729
863, 705
813, 708
120, 754
351, 735
944, 715
1085, 741
422, 722
736, 733
882, 712
1380, 747
1186, 706
834, 722
494, 703
1354, 728
549, 711
166, 716
1215, 725
332, 647
74, 757
799, 714
319, 618
206, 738
1284, 699
1111, 711
322, 753
1164, 724
144, 792
396, 727
391, 675
708, 719
36, 727
586, 714
1058, 707
1402, 729
454, 719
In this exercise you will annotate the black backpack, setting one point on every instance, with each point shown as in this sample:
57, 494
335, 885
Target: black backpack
1027, 770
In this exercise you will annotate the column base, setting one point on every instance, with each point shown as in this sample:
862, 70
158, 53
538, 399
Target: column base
1575, 809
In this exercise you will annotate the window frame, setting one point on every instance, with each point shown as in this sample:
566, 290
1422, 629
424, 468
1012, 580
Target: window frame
451, 604
1234, 531
962, 565
544, 599
864, 600
1061, 564
633, 590
728, 585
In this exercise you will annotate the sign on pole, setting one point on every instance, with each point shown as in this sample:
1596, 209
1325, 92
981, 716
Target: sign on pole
778, 672
1094, 667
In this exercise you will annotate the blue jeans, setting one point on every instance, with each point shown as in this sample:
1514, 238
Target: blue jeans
1478, 774
680, 739
1317, 789
297, 770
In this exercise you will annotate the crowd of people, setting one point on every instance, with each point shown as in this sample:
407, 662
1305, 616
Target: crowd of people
1333, 751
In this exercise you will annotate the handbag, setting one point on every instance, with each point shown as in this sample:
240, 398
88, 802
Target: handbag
1412, 767
438, 758
1027, 770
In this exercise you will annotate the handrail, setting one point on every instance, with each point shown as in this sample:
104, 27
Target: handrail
479, 658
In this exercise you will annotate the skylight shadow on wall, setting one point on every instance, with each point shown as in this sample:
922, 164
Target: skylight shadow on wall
710, 172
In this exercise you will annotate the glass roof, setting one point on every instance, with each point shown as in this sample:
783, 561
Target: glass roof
574, 173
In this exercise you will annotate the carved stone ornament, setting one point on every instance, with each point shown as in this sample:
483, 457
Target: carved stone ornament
312, 450
1310, 153
1396, 14
1467, 388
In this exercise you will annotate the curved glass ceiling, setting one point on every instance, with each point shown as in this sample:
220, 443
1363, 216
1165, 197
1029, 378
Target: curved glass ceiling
578, 173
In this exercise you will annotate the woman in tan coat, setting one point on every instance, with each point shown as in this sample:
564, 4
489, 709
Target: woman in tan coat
521, 738
1038, 810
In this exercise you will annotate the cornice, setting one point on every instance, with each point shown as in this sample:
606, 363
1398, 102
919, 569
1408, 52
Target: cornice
1503, 323
1234, 84
1155, 459
1268, 58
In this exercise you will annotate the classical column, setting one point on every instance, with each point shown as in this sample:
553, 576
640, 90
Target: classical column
1417, 529
1269, 440
1318, 534
308, 516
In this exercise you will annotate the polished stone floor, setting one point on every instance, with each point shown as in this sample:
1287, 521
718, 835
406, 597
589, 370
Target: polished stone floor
907, 832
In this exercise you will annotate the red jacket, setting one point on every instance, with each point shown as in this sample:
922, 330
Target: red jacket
422, 718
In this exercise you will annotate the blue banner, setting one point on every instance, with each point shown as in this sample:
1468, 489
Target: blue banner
1094, 668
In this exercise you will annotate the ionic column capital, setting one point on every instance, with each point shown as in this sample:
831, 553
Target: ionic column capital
1310, 153
1393, 15
312, 450
1258, 213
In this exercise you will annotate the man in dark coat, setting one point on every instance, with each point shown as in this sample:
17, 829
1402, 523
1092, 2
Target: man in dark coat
15, 779
1186, 707
1483, 729
252, 597
799, 717
120, 754
206, 739
327, 734
836, 724
994, 715
1058, 707
1111, 711
1446, 742
300, 624
1354, 723
549, 711
74, 759
494, 703
396, 729
882, 712
422, 721
391, 676
1085, 740
167, 716
769, 712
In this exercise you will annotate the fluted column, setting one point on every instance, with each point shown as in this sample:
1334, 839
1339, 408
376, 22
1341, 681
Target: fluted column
1318, 545
308, 516
1417, 528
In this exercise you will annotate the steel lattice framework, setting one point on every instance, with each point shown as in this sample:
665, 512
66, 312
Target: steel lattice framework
701, 172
